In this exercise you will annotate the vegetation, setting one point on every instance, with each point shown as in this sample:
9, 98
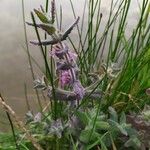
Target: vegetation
98, 92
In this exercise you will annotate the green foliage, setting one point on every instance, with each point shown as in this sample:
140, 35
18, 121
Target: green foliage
6, 142
42, 16
134, 142
52, 134
106, 130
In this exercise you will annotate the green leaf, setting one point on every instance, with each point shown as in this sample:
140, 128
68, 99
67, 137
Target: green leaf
102, 125
107, 137
41, 16
6, 141
84, 136
49, 29
89, 147
133, 142
123, 118
113, 114
103, 146
83, 117
131, 131
118, 126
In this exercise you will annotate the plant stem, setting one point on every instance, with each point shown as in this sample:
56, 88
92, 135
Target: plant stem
28, 53
12, 126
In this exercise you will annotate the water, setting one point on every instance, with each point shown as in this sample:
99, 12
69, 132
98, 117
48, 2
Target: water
14, 67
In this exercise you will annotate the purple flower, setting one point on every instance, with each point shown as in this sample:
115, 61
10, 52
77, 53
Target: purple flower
58, 51
78, 89
72, 56
56, 128
62, 65
65, 78
53, 13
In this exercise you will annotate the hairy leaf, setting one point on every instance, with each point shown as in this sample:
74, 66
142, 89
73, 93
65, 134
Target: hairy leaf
49, 29
41, 16
113, 114
123, 118
84, 136
102, 125
133, 142
118, 126
83, 117
67, 32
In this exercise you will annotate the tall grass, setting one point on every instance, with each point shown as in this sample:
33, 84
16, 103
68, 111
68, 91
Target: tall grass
28, 54
131, 53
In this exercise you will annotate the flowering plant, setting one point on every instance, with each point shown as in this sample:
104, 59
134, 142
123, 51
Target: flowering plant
66, 67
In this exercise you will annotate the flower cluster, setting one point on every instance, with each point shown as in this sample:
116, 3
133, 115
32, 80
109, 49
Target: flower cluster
70, 87
67, 69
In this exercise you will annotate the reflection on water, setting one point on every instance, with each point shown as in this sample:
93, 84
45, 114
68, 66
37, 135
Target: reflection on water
14, 69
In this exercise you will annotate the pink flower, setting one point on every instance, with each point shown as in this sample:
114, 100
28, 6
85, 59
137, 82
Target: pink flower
65, 78
72, 56
78, 89
58, 51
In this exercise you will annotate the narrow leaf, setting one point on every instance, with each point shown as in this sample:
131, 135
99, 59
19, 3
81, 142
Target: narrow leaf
49, 29
123, 118
41, 16
113, 114
67, 32
44, 42
103, 146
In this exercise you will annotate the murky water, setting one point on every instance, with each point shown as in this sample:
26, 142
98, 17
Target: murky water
14, 68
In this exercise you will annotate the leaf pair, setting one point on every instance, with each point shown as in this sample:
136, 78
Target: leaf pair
42, 16
48, 26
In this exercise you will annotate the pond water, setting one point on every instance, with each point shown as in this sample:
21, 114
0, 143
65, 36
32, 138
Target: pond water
14, 67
